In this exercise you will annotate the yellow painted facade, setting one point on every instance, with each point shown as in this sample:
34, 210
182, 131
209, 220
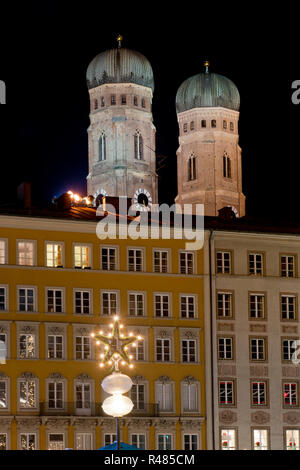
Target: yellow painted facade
39, 421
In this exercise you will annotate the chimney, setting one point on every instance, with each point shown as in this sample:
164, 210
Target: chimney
24, 194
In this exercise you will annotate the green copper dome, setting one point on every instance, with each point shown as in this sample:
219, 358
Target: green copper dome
119, 66
207, 90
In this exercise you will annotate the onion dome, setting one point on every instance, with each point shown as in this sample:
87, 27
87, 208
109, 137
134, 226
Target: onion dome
207, 90
119, 65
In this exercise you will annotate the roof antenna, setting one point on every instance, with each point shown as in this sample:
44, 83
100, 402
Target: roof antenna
206, 65
119, 39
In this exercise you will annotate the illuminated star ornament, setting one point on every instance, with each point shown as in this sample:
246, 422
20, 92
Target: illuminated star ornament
116, 346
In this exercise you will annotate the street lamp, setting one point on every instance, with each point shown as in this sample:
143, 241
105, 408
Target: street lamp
116, 345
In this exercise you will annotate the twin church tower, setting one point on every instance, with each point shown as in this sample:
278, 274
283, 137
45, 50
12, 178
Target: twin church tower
122, 156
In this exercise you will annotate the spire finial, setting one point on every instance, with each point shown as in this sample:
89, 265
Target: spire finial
206, 65
119, 39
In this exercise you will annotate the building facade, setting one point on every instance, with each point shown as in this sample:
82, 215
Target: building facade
58, 283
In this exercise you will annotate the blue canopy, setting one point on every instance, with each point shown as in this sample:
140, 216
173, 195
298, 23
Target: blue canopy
114, 446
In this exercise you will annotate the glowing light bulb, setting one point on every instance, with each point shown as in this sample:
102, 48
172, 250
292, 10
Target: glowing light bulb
110, 335
92, 335
121, 336
101, 364
116, 355
130, 334
121, 326
106, 347
125, 347
100, 332
97, 342
116, 318
109, 362
131, 366
130, 357
123, 363
134, 345
139, 337
102, 355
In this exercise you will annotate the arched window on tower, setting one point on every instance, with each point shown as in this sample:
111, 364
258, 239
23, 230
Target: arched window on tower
226, 166
96, 104
192, 168
138, 146
203, 123
213, 123
102, 147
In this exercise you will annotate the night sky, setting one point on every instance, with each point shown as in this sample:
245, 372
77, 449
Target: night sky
45, 51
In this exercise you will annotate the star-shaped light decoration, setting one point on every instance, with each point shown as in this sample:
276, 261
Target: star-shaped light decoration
116, 346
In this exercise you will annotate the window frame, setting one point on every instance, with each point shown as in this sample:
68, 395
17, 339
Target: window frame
35, 298
262, 294
5, 241
63, 297
143, 259
136, 293
109, 291
54, 242
90, 254
265, 348
117, 257
295, 265
170, 303
223, 251
232, 310
34, 251
91, 301
263, 258
289, 295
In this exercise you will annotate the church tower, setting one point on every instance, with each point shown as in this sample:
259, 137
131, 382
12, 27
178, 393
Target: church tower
209, 156
122, 159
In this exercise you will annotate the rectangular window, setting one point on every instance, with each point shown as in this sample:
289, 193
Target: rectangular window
83, 396
123, 99
139, 351
290, 394
135, 259
84, 441
109, 439
224, 304
256, 264
54, 255
288, 265
187, 306
54, 300
257, 305
26, 346
186, 262
292, 439
160, 261
26, 252
163, 350
56, 442
27, 394
192, 175
288, 307
138, 396
113, 99
3, 441
162, 305
225, 349
3, 251
188, 350
226, 396
3, 394
190, 442
257, 349
260, 439
288, 349
26, 299
82, 256
223, 262
228, 439
82, 302
139, 441
83, 347
55, 347
3, 299
55, 395
258, 393
164, 441
28, 441
136, 304
189, 397
108, 259
109, 303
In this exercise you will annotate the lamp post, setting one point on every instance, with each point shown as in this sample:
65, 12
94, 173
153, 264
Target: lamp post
116, 345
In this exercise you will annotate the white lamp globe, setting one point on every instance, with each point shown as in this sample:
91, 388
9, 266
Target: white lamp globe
116, 383
117, 405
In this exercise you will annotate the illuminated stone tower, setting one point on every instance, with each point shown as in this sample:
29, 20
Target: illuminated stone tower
209, 156
122, 160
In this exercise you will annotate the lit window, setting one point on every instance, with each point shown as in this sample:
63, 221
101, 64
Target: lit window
81, 256
2, 252
27, 346
54, 254
28, 441
138, 146
3, 394
292, 439
56, 442
260, 439
3, 440
27, 394
26, 253
228, 439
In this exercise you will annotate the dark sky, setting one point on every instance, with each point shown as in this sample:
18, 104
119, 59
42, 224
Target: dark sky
47, 46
